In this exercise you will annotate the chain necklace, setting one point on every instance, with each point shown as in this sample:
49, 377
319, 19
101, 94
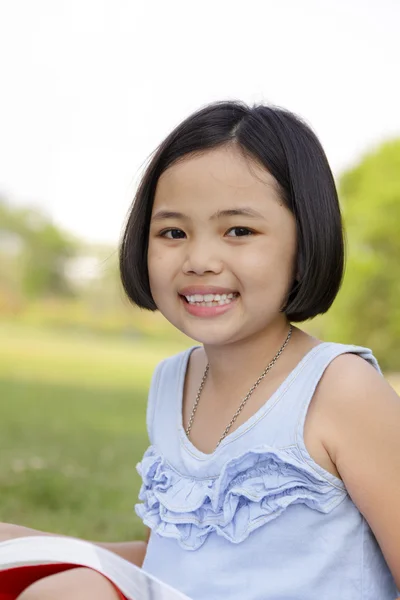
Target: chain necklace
245, 399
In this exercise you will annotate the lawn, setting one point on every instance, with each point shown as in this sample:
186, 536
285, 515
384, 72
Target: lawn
72, 428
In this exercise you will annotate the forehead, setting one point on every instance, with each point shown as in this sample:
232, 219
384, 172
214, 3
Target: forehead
223, 170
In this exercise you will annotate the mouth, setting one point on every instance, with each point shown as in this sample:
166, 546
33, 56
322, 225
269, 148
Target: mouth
210, 300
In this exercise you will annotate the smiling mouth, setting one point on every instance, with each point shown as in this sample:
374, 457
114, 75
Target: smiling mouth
210, 299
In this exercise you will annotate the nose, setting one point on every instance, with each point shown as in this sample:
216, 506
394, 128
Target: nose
202, 257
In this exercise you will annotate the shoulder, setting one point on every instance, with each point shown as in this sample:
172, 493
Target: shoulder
351, 383
344, 384
350, 369
352, 393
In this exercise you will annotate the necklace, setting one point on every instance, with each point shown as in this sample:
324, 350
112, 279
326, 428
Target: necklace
245, 399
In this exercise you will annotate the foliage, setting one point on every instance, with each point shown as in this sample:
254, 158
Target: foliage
33, 252
367, 309
48, 278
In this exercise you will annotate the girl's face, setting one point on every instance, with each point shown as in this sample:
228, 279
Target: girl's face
218, 227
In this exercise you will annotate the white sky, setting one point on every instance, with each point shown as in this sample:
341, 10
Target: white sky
90, 87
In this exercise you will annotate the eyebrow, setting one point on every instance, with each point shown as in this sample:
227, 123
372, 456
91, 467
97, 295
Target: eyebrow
244, 211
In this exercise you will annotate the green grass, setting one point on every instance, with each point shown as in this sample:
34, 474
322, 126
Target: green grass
72, 428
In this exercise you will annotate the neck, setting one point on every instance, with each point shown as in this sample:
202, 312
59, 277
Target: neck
234, 363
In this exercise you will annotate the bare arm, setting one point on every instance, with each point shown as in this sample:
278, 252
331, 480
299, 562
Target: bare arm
134, 551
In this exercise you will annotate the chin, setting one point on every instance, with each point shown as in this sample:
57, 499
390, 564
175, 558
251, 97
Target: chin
209, 336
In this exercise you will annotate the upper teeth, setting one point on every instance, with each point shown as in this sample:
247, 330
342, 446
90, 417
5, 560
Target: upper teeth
208, 297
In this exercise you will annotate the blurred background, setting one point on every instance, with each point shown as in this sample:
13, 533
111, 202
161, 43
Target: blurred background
88, 89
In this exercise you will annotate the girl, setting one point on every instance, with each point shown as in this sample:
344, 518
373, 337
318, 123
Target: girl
274, 465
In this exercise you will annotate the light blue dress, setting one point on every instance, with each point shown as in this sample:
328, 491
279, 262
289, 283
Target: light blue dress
258, 519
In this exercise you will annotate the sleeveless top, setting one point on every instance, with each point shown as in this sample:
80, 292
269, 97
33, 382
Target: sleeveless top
257, 519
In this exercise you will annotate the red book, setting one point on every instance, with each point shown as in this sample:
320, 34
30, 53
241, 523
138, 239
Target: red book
26, 560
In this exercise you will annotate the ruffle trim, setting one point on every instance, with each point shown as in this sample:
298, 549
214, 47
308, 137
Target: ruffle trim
251, 490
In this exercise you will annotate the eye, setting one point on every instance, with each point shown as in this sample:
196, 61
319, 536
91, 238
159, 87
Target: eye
241, 231
173, 235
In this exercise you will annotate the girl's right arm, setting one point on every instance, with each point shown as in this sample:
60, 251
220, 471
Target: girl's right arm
134, 552
10, 532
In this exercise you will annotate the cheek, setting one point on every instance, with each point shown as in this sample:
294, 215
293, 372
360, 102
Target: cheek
161, 269
271, 263
154, 267
155, 257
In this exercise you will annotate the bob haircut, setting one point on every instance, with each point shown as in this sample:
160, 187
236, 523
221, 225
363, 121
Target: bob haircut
286, 147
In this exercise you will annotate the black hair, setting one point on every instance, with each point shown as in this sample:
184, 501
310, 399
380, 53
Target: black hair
286, 147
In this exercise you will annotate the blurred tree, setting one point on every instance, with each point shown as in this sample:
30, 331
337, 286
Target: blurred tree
33, 252
367, 309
